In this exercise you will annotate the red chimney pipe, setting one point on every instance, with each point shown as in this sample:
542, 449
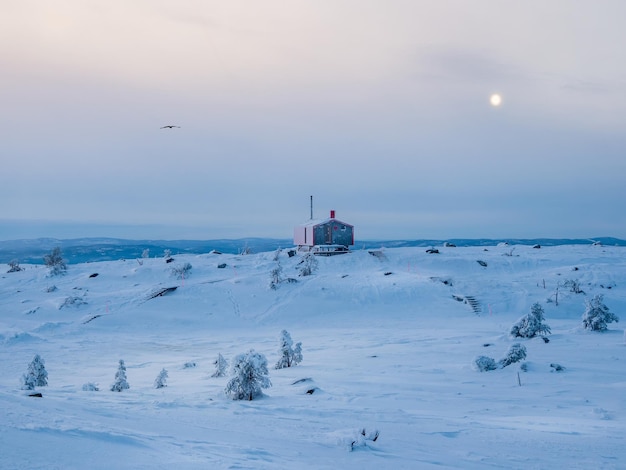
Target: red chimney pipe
332, 214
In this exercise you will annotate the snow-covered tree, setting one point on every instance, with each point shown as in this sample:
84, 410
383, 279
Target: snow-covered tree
160, 380
276, 276
297, 353
220, 366
597, 315
54, 262
249, 376
308, 265
120, 379
531, 325
289, 356
36, 375
516, 353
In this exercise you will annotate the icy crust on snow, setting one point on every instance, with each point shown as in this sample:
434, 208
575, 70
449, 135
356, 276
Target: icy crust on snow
388, 344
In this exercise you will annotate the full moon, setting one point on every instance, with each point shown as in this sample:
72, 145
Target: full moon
495, 100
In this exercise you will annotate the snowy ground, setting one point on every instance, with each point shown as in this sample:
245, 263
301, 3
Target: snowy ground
387, 346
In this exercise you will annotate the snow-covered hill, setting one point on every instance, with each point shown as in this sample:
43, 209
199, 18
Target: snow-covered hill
389, 339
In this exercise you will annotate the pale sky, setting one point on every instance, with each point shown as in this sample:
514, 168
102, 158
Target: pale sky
379, 109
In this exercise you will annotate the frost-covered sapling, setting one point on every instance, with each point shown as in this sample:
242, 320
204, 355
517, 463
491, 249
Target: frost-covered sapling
307, 265
54, 262
289, 355
276, 275
182, 272
120, 379
36, 375
597, 315
531, 325
220, 366
160, 380
249, 375
516, 353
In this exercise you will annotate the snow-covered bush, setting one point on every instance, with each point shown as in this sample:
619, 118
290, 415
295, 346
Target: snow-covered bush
597, 316
574, 286
363, 436
36, 375
516, 353
120, 379
220, 366
72, 301
531, 325
307, 265
160, 380
484, 364
249, 375
14, 266
289, 356
276, 276
91, 387
54, 262
182, 272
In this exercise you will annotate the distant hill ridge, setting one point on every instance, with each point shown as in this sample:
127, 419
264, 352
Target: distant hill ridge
84, 250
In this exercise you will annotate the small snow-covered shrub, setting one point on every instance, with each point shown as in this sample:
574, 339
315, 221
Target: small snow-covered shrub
485, 364
120, 379
363, 436
91, 387
289, 356
597, 316
14, 266
182, 272
249, 375
36, 375
276, 276
307, 265
160, 380
574, 286
54, 262
72, 301
531, 325
220, 366
516, 353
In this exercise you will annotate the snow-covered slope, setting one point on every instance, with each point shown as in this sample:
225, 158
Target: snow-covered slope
388, 339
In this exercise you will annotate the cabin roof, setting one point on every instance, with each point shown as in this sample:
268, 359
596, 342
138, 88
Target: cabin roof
316, 222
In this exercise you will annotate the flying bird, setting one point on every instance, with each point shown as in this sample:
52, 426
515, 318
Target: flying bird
170, 127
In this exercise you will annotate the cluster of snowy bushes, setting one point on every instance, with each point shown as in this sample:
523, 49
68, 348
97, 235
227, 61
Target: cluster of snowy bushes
249, 374
596, 317
305, 267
